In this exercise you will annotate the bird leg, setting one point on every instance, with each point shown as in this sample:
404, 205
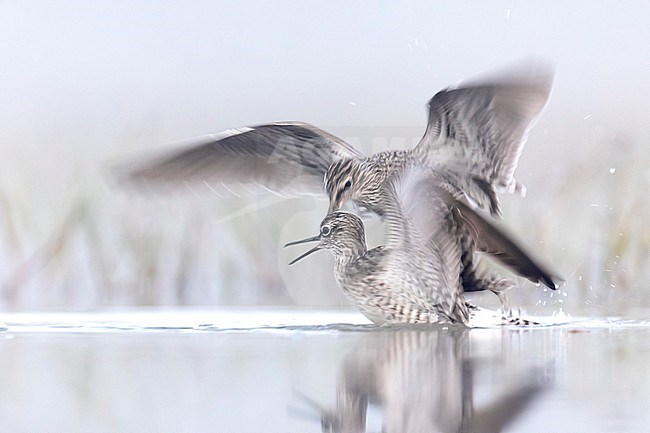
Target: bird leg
475, 279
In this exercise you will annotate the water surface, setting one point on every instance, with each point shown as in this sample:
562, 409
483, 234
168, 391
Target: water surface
311, 371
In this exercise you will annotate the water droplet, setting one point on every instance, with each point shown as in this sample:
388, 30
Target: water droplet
612, 170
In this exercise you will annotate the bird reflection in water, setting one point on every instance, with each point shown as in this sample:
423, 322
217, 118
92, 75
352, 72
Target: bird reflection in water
424, 381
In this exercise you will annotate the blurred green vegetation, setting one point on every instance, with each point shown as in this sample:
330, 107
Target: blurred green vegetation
103, 246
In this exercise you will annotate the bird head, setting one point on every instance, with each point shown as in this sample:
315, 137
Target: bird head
342, 182
339, 231
357, 181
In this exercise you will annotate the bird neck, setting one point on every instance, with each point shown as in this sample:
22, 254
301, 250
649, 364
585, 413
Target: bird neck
377, 169
348, 252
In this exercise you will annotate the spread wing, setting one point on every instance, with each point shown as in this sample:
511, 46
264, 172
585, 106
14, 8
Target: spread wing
476, 132
419, 228
424, 212
289, 158
490, 239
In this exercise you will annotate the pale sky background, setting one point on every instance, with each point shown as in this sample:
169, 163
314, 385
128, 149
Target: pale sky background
85, 82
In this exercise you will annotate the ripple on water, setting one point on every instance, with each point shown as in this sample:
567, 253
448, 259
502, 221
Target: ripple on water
256, 321
211, 366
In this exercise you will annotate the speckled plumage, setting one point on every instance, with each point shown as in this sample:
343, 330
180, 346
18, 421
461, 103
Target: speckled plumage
387, 283
474, 136
417, 277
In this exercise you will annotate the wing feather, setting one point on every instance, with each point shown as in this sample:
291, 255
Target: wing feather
289, 158
476, 132
427, 222
419, 228
492, 240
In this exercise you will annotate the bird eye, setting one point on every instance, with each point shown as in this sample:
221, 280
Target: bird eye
347, 185
325, 231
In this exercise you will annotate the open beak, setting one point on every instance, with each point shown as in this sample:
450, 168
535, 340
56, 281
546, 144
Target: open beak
302, 241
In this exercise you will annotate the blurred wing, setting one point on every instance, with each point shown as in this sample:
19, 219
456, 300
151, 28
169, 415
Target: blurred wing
289, 158
424, 212
420, 226
492, 240
476, 132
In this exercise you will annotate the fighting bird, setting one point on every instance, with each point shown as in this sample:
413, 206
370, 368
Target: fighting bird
472, 143
417, 276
